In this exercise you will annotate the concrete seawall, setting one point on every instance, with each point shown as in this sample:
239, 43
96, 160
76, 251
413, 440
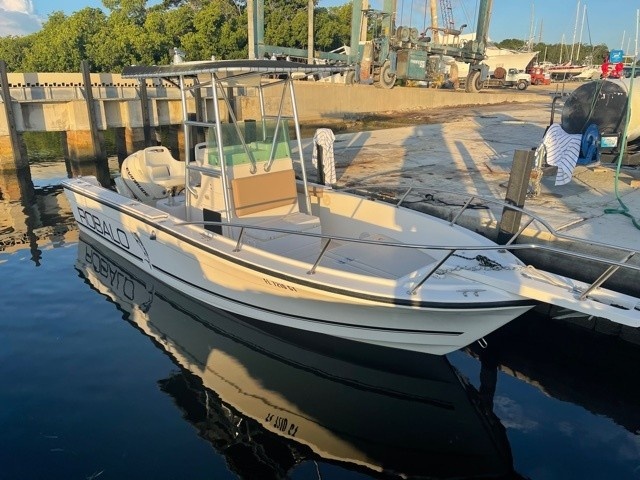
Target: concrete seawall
45, 102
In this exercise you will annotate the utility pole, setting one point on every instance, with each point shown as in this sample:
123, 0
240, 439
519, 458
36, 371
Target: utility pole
310, 45
251, 32
434, 21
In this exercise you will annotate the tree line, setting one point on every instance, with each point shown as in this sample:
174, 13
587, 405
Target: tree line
133, 33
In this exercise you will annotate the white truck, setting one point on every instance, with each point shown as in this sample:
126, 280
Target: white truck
508, 78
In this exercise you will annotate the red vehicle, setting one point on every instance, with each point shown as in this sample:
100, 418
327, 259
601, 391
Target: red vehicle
539, 76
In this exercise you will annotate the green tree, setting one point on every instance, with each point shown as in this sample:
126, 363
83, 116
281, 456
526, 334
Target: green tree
283, 23
332, 27
219, 29
13, 50
134, 10
63, 41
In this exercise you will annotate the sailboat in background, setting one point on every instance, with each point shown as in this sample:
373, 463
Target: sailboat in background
569, 70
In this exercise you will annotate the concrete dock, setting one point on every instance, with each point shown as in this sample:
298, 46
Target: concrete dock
471, 152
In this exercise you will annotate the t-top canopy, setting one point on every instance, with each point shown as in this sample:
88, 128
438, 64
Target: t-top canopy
228, 68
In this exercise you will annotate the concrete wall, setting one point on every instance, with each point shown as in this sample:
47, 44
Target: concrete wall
45, 103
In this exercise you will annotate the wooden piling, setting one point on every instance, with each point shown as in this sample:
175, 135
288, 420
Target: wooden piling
98, 147
516, 194
13, 153
149, 141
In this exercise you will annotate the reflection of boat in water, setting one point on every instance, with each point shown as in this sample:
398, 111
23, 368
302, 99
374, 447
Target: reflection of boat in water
278, 402
592, 371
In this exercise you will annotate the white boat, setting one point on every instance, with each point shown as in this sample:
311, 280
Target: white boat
244, 235
505, 58
367, 408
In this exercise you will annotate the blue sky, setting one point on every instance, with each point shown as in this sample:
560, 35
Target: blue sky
607, 21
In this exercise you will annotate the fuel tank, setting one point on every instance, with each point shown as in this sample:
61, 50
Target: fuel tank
604, 103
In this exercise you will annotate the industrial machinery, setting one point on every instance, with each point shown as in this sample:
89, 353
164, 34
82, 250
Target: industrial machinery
382, 52
386, 52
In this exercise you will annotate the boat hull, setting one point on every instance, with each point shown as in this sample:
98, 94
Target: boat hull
207, 268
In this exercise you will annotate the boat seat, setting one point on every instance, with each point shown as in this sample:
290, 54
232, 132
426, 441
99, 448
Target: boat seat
162, 168
264, 192
270, 201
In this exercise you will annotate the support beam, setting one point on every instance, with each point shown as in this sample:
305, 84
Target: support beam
78, 146
251, 28
96, 140
144, 109
13, 153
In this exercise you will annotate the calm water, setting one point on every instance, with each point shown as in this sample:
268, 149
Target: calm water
108, 374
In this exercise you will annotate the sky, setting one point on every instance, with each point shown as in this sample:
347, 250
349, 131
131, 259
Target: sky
606, 21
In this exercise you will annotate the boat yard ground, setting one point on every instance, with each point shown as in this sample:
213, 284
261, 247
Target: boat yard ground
470, 150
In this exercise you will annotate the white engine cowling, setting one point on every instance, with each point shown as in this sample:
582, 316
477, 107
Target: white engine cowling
151, 174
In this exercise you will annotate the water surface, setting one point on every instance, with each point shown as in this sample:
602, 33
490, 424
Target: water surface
109, 374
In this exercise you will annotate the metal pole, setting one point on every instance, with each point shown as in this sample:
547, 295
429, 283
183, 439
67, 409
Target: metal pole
434, 22
482, 30
294, 108
356, 21
223, 162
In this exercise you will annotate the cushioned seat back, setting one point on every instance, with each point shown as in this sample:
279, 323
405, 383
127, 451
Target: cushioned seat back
266, 191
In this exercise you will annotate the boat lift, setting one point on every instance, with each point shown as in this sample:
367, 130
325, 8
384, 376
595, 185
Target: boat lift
396, 52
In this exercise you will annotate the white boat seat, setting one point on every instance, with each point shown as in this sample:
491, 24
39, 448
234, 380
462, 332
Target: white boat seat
270, 200
162, 168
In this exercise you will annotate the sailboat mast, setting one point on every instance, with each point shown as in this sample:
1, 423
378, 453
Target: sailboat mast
635, 53
532, 33
584, 14
575, 30
540, 32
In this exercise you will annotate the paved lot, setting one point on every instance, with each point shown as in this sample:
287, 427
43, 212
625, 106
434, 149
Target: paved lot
472, 152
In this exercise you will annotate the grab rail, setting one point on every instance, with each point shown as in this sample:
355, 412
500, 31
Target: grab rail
421, 246
501, 203
612, 265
